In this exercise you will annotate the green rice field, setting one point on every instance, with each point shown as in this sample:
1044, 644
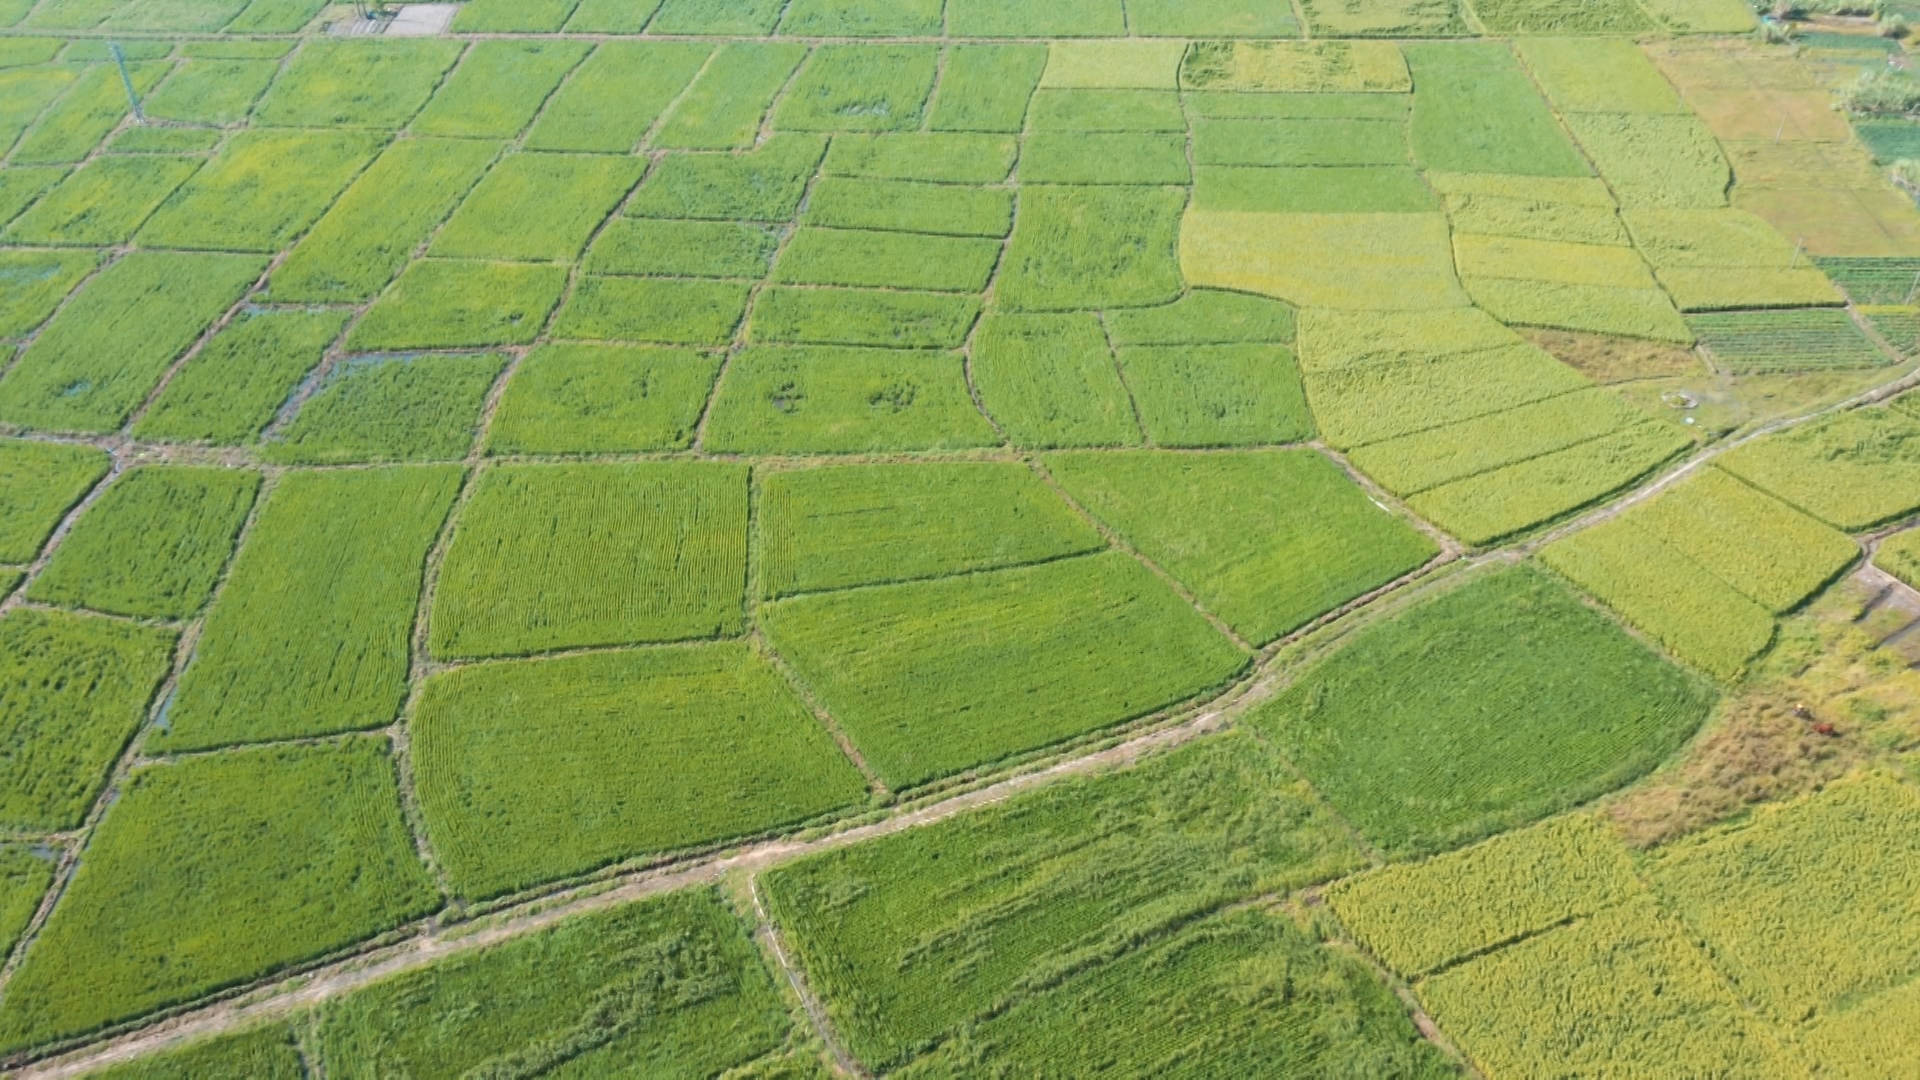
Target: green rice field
808, 539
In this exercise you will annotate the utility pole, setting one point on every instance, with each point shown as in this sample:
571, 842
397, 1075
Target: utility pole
126, 80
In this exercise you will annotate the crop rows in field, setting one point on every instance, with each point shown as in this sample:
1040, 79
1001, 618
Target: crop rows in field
1519, 945
1054, 270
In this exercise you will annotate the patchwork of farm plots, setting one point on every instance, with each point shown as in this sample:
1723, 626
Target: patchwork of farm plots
446, 478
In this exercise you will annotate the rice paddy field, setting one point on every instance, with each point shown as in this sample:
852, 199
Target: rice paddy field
793, 539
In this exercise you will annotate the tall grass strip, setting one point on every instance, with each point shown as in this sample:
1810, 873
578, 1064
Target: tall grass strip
1854, 470
263, 1053
1428, 459
1646, 313
1369, 403
1900, 556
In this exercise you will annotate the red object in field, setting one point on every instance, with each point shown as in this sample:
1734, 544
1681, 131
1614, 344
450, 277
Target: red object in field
1827, 729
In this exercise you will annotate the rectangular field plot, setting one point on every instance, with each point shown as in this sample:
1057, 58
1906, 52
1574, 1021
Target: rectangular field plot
1624, 991
102, 203
829, 400
939, 209
376, 84
1744, 892
537, 207
1418, 917
1755, 342
860, 88
272, 856
512, 16
1655, 161
1854, 470
1562, 16
1599, 76
863, 18
449, 304
310, 634
1210, 18
372, 230
653, 247
1092, 247
260, 191
153, 545
616, 95
1381, 262
1516, 729
1059, 112
1288, 66
39, 483
671, 986
389, 408
1204, 317
1051, 381
655, 310
498, 88
836, 527
887, 260
1368, 403
1302, 141
211, 91
1428, 459
1268, 540
1673, 599
1773, 553
1217, 395
912, 936
566, 556
235, 385
1091, 157
888, 318
1372, 189
73, 688
1114, 65
36, 282
952, 158
1493, 506
1016, 18
588, 399
724, 107
1237, 1014
1598, 309
544, 769
744, 17
987, 87
99, 358
763, 184
1475, 111
70, 129
932, 678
